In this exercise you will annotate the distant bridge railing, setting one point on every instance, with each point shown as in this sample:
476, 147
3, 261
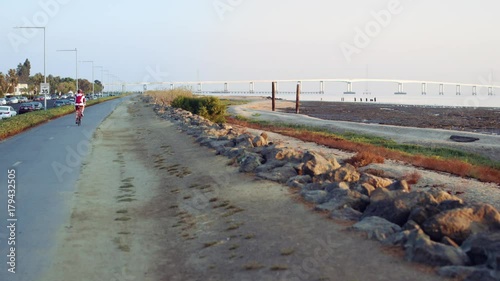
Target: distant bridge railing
321, 83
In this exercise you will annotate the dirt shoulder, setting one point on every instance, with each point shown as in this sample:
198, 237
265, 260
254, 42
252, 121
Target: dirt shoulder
154, 205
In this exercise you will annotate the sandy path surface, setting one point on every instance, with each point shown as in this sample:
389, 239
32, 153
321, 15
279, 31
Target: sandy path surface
488, 145
153, 205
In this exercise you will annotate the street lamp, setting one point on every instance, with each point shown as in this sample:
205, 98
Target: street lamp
44, 57
91, 61
76, 60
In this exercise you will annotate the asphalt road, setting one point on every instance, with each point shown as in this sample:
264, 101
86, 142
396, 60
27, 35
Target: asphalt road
45, 164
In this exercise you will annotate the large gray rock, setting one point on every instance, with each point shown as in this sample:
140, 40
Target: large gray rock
364, 188
280, 174
484, 249
420, 248
249, 162
400, 185
279, 152
315, 164
459, 224
269, 166
347, 173
422, 213
259, 141
375, 181
468, 273
347, 213
376, 228
396, 206
342, 198
336, 185
299, 181
315, 196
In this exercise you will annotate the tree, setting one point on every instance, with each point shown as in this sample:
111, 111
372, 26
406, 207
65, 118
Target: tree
35, 80
65, 87
23, 71
12, 80
98, 86
85, 85
4, 85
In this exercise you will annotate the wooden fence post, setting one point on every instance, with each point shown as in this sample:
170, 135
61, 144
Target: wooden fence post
274, 97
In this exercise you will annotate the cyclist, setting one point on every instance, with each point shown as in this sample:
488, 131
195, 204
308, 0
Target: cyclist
80, 102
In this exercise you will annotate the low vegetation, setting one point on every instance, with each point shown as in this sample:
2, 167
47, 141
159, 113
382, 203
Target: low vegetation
166, 97
210, 108
452, 161
20, 123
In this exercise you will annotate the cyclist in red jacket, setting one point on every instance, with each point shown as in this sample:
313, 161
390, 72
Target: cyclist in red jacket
80, 101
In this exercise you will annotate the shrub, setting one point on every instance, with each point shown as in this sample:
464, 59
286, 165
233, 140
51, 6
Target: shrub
364, 158
210, 108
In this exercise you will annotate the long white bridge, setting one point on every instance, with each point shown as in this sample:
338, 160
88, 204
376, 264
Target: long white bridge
398, 85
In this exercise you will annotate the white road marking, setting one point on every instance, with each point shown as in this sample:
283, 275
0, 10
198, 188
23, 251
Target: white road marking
16, 164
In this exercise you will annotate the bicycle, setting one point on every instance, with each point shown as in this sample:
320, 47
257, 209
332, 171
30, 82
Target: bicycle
79, 115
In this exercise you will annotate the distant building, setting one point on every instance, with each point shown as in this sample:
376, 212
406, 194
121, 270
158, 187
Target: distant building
21, 89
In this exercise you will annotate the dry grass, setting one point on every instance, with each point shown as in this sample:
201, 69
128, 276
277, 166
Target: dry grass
452, 166
412, 178
364, 158
167, 96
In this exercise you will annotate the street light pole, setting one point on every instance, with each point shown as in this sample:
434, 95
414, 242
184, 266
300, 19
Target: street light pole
44, 57
76, 61
91, 61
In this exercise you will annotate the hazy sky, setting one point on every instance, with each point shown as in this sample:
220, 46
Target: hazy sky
147, 40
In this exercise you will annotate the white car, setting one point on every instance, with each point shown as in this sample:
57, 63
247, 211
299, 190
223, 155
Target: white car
3, 101
12, 100
7, 112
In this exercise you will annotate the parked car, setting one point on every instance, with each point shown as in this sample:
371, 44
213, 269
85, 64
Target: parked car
22, 99
29, 107
39, 98
38, 106
59, 103
7, 112
12, 100
3, 101
69, 101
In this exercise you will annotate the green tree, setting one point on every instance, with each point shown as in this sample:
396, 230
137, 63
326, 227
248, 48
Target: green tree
65, 87
12, 80
35, 81
23, 71
85, 85
4, 85
54, 82
98, 86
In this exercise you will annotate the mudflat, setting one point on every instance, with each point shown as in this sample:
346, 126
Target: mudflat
479, 120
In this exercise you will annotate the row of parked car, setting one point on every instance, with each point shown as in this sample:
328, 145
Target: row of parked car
12, 100
9, 111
